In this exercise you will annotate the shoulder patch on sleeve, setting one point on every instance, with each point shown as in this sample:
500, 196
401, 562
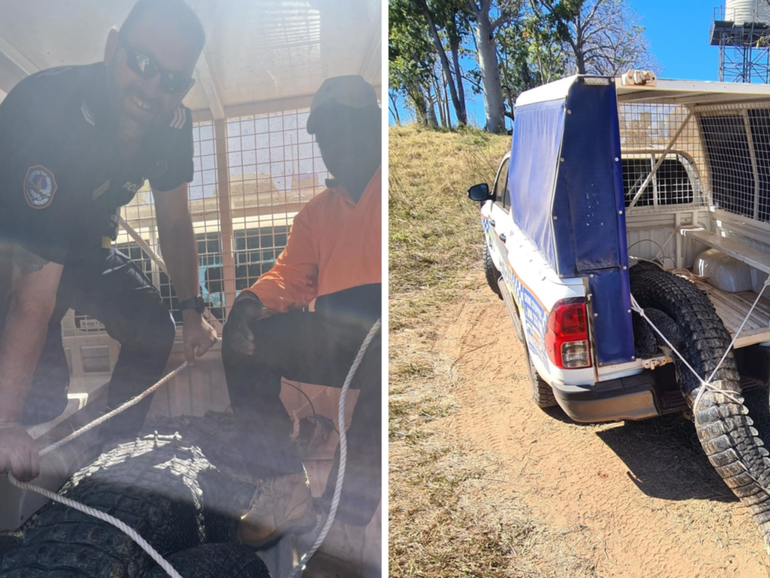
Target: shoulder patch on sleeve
180, 117
39, 187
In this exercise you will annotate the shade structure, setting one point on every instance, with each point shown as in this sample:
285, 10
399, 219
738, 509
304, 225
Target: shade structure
257, 51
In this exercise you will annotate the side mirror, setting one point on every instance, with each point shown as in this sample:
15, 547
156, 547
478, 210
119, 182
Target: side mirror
479, 192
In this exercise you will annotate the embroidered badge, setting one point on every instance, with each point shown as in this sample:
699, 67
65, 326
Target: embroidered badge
39, 187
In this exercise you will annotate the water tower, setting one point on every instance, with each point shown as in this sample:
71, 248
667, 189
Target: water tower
741, 29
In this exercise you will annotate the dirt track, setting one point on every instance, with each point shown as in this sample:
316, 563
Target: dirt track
635, 499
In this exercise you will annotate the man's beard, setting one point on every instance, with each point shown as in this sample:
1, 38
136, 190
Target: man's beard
129, 128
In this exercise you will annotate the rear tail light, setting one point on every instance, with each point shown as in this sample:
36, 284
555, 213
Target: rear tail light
566, 337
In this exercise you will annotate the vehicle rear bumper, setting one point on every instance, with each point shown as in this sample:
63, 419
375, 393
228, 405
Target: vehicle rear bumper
632, 398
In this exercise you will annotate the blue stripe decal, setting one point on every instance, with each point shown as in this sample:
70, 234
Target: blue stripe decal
534, 313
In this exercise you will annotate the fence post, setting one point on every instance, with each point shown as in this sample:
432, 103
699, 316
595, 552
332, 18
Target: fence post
225, 213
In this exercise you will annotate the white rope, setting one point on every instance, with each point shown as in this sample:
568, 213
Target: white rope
343, 453
636, 307
163, 563
153, 553
91, 511
706, 384
663, 247
114, 412
745, 319
130, 532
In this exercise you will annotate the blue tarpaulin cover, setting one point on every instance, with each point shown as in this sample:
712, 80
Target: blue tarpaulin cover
537, 136
566, 187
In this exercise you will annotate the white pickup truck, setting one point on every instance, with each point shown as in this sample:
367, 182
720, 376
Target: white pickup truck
620, 197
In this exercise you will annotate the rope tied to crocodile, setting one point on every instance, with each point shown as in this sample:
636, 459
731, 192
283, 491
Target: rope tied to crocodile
152, 552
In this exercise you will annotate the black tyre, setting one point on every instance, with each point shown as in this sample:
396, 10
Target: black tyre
215, 561
723, 427
490, 271
542, 393
161, 485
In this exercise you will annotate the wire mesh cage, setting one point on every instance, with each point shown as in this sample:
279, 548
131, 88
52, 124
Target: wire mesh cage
274, 169
737, 143
716, 154
269, 167
662, 157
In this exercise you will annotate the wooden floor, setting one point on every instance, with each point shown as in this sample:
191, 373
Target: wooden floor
733, 308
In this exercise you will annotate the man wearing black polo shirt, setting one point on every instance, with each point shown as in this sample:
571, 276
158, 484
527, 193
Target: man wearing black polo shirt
75, 145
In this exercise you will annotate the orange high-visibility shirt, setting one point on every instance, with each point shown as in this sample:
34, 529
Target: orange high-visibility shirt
335, 244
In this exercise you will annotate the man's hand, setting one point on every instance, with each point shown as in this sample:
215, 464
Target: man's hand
247, 308
18, 453
198, 335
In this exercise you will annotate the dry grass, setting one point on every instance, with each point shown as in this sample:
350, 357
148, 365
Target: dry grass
459, 510
440, 525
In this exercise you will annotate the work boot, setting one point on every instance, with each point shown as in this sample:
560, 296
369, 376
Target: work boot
344, 554
278, 505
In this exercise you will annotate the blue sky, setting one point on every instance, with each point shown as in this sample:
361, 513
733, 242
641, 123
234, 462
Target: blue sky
678, 31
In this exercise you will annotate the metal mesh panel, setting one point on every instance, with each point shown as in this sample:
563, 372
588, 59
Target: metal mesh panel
732, 174
274, 168
759, 125
204, 209
737, 141
722, 150
647, 131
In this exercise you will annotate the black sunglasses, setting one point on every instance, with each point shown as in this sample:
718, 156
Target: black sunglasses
144, 66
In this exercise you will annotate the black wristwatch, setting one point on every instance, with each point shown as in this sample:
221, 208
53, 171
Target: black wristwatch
196, 303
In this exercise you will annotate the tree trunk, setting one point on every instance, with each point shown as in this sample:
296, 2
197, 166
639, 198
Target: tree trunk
432, 120
445, 100
490, 73
578, 46
439, 100
394, 102
420, 105
448, 112
442, 54
462, 114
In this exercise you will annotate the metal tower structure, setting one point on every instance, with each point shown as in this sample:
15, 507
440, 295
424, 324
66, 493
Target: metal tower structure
744, 49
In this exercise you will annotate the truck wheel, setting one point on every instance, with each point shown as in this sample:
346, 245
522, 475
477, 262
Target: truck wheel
724, 429
215, 561
542, 393
490, 271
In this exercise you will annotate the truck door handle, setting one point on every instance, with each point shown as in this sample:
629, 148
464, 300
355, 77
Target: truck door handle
502, 237
492, 223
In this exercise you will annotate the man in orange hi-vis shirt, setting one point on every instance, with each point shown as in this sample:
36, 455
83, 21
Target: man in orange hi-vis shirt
333, 255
